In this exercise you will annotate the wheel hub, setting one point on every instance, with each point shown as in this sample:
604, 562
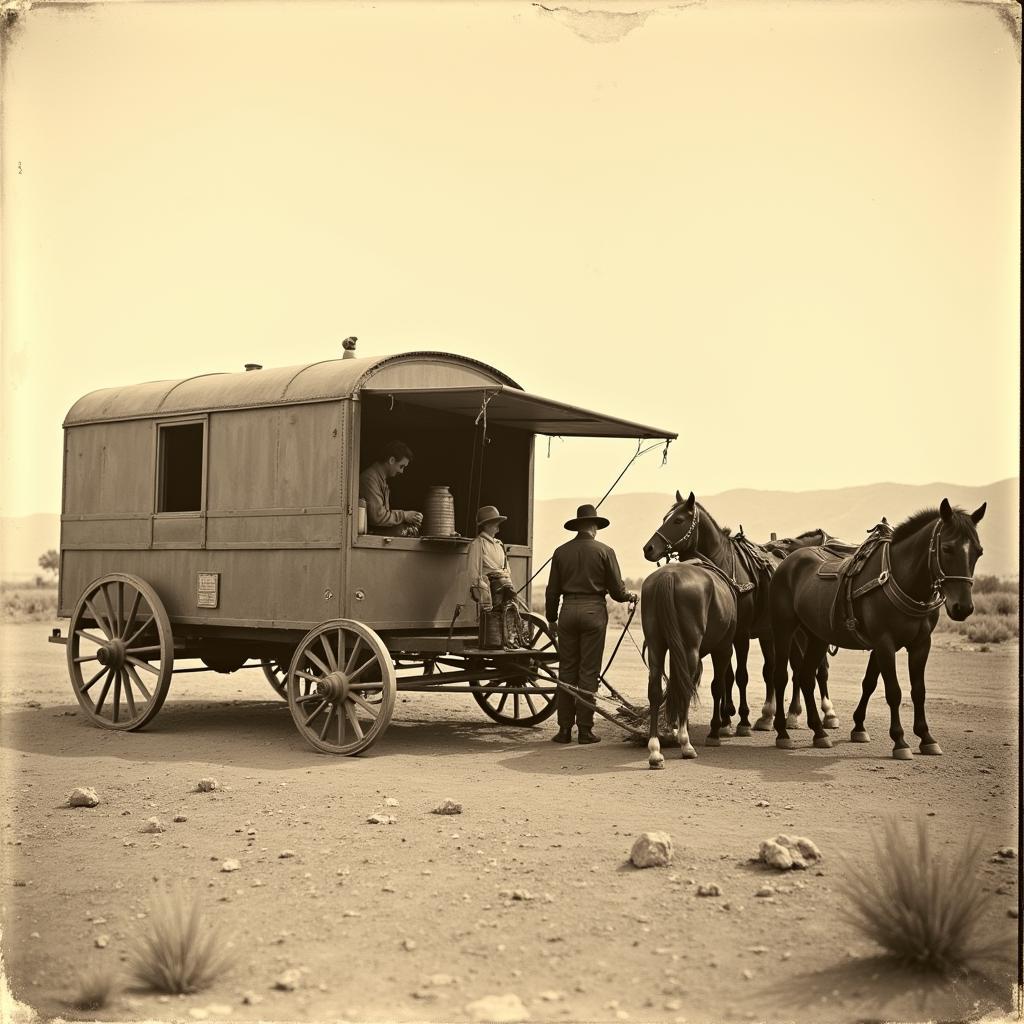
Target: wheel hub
112, 654
333, 687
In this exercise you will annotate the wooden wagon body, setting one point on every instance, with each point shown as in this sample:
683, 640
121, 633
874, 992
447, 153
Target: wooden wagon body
229, 500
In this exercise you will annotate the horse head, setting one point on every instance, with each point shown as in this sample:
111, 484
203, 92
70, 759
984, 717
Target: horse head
678, 531
955, 552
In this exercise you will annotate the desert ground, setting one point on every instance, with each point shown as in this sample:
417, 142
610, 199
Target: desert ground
528, 892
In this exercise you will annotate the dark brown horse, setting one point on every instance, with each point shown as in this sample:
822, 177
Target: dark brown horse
893, 603
688, 610
687, 531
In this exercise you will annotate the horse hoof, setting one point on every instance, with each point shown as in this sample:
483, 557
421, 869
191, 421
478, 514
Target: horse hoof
712, 741
726, 731
742, 730
902, 753
763, 725
860, 736
688, 753
830, 722
823, 742
931, 748
792, 722
785, 743
655, 764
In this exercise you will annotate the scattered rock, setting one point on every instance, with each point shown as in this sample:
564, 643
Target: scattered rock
381, 819
447, 807
251, 998
198, 1013
390, 802
652, 850
1013, 912
84, 796
33, 704
552, 995
179, 819
207, 785
785, 852
711, 889
153, 826
763, 803
408, 945
102, 941
286, 854
516, 894
289, 981
440, 980
230, 865
503, 1009
1006, 852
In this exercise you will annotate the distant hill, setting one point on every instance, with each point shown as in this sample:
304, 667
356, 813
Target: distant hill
846, 513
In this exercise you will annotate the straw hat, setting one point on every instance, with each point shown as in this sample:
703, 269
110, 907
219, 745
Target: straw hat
488, 514
586, 514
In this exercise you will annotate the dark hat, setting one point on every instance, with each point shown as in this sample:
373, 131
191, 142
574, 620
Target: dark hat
488, 514
586, 514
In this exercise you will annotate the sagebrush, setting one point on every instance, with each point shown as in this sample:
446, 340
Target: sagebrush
93, 987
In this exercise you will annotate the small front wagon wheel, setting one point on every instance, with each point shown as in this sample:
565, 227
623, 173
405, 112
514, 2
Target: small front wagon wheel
341, 687
120, 652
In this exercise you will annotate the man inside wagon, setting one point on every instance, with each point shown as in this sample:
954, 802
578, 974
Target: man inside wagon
376, 492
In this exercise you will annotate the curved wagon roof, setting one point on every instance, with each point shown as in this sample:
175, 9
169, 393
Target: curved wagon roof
437, 380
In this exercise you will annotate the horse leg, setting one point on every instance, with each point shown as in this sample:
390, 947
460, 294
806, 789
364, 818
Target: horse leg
721, 660
767, 717
727, 709
796, 657
655, 758
686, 750
917, 658
828, 712
885, 655
783, 641
742, 646
867, 688
814, 650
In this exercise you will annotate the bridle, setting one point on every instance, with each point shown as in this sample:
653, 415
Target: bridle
672, 545
939, 576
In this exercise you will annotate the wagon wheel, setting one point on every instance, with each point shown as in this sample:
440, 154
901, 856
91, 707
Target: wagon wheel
341, 687
539, 677
276, 672
120, 652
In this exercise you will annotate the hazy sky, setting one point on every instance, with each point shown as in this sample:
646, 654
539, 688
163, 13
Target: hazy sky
786, 230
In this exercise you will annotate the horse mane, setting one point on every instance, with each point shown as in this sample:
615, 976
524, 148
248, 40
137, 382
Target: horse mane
962, 523
711, 519
809, 533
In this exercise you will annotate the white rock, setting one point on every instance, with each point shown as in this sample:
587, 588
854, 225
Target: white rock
220, 1010
503, 1009
408, 945
102, 941
230, 865
711, 889
652, 850
285, 854
84, 796
198, 1013
440, 980
552, 995
207, 785
447, 807
289, 981
153, 826
179, 818
785, 852
251, 998
1006, 852
381, 819
390, 802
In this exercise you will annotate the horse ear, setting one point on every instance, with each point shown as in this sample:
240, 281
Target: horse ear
979, 513
679, 498
945, 511
690, 502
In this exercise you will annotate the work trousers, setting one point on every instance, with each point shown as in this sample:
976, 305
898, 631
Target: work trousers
582, 623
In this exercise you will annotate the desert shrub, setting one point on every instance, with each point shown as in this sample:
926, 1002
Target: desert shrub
28, 604
990, 629
996, 602
94, 987
995, 585
177, 950
923, 908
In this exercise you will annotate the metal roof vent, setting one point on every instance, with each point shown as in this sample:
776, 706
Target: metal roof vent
349, 345
253, 366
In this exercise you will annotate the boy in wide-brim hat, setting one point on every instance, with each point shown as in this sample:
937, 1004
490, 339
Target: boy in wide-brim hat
490, 582
583, 572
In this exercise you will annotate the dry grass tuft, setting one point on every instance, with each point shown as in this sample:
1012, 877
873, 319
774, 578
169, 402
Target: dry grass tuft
177, 951
94, 987
924, 908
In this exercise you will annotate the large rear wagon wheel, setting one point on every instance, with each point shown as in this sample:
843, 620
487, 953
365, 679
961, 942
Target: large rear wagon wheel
120, 652
275, 670
341, 687
539, 678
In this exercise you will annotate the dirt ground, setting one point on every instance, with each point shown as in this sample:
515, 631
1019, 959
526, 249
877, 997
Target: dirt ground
371, 914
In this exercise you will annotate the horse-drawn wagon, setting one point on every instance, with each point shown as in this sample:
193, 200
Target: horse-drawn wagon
215, 519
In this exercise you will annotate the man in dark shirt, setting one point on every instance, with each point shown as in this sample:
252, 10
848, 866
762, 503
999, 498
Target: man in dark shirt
583, 571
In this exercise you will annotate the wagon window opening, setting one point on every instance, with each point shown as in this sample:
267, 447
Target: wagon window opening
443, 452
181, 468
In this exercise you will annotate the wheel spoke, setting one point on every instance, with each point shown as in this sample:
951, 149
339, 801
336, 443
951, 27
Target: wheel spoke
98, 619
501, 703
307, 698
120, 606
307, 677
129, 696
529, 700
117, 693
142, 629
332, 659
137, 679
331, 708
81, 658
367, 686
365, 705
103, 692
143, 650
515, 705
92, 639
319, 664
130, 621
138, 663
115, 625
93, 680
351, 715
352, 657
362, 668
319, 708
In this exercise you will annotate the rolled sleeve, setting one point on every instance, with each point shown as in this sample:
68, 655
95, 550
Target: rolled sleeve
613, 578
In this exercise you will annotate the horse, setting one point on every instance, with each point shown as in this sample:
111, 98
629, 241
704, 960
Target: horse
885, 598
688, 610
688, 530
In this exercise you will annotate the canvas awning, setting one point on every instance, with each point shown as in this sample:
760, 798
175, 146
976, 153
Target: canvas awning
511, 407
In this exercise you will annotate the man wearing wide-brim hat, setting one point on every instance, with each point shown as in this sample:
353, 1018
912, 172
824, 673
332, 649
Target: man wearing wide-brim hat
583, 571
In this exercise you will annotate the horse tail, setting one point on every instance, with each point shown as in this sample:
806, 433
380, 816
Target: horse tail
667, 617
